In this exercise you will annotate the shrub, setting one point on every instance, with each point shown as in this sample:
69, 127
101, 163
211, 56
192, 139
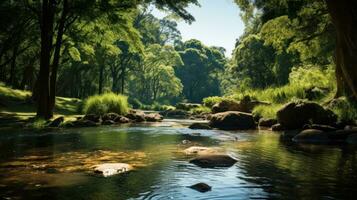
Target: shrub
106, 103
135, 103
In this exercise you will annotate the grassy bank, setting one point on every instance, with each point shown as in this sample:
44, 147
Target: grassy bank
17, 103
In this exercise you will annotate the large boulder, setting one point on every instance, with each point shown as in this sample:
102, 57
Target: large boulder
153, 117
122, 120
199, 126
187, 106
110, 169
295, 115
211, 161
136, 115
245, 105
232, 120
81, 123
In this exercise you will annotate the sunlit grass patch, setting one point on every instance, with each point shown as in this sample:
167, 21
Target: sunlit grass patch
106, 103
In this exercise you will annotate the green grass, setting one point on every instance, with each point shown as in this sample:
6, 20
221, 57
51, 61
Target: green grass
17, 103
345, 110
106, 103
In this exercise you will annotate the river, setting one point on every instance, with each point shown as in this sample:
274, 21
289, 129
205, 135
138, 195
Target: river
57, 165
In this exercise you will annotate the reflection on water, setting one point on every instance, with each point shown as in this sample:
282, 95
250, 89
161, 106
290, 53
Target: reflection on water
59, 165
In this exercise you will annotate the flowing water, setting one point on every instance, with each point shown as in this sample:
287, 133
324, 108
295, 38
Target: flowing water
58, 165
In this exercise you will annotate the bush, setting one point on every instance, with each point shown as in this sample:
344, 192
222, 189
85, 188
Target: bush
135, 103
106, 103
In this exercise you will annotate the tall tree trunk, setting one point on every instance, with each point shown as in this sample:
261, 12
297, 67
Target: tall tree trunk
56, 56
13, 66
47, 23
101, 78
344, 17
123, 81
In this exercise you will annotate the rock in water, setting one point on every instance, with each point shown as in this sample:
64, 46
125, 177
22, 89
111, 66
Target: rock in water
295, 115
211, 161
153, 117
232, 120
267, 122
56, 122
201, 187
312, 136
110, 169
199, 126
200, 150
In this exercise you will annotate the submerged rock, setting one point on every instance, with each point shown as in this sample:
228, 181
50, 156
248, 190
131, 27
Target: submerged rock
110, 169
199, 126
295, 115
211, 161
81, 123
267, 122
201, 187
312, 136
200, 150
232, 120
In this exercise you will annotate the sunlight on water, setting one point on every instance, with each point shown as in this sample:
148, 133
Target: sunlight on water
60, 165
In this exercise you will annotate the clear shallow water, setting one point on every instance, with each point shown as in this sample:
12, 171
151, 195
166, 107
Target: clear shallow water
58, 165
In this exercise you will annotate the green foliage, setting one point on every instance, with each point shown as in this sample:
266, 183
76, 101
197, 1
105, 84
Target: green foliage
106, 103
345, 109
201, 71
200, 110
267, 111
210, 101
312, 75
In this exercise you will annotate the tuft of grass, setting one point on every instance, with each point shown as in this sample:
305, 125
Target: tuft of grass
106, 103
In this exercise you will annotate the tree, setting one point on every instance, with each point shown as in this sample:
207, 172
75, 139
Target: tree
201, 69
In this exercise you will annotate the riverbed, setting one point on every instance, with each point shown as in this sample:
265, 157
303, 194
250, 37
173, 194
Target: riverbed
58, 164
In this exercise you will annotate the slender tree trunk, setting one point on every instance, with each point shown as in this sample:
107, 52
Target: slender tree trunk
13, 66
56, 57
101, 78
122, 81
47, 23
344, 17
